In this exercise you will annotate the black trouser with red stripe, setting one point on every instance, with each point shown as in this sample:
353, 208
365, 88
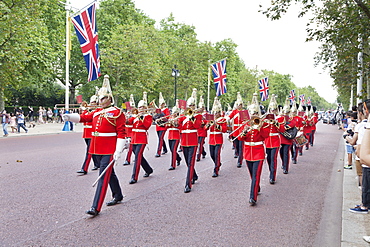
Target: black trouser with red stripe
161, 142
88, 156
295, 150
284, 155
312, 137
255, 170
174, 144
129, 153
215, 153
189, 155
272, 154
140, 161
108, 178
239, 150
308, 137
201, 140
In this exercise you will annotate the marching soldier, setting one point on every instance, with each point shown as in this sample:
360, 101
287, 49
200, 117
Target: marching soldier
173, 127
160, 119
253, 135
286, 143
315, 120
107, 143
129, 118
216, 128
237, 123
190, 122
273, 141
141, 123
307, 127
202, 132
87, 130
296, 148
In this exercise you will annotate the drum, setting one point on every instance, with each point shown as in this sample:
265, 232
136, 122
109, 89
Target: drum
300, 140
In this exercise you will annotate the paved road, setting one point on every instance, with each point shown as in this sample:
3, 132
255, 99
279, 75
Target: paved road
43, 200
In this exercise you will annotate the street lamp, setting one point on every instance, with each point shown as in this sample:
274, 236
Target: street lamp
175, 73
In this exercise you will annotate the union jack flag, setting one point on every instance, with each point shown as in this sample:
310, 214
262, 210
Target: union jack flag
309, 101
264, 88
87, 33
219, 77
301, 98
292, 96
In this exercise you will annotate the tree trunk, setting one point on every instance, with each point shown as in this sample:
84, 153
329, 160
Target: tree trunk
2, 104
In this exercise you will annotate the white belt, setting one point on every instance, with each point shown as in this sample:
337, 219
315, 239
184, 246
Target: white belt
214, 132
238, 124
173, 129
189, 131
95, 133
253, 143
138, 130
88, 126
129, 126
274, 134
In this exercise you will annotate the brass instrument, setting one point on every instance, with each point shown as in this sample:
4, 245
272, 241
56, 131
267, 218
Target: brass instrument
254, 123
189, 112
210, 123
162, 121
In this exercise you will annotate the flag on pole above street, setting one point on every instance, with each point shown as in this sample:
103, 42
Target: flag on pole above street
264, 88
87, 33
302, 99
292, 96
219, 76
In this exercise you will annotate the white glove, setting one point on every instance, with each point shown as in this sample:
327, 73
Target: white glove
74, 117
119, 148
127, 144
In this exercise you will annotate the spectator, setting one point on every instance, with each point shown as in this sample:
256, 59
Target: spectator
349, 131
13, 122
4, 122
20, 122
49, 115
41, 120
30, 113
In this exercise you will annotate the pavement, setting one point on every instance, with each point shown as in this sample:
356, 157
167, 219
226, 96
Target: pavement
354, 226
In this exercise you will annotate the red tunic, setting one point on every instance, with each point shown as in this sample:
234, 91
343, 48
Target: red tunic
216, 130
273, 140
235, 122
189, 133
87, 127
315, 120
254, 148
307, 128
108, 124
202, 131
140, 126
291, 123
173, 131
129, 126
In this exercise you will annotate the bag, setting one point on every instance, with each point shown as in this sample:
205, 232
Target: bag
290, 133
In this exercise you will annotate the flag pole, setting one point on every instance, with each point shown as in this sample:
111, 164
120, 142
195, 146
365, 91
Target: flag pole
209, 83
82, 9
66, 124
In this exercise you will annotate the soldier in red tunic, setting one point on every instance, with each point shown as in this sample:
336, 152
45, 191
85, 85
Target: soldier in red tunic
273, 141
85, 109
314, 121
296, 148
107, 142
173, 127
307, 127
131, 114
141, 123
190, 122
160, 119
216, 129
286, 143
253, 135
202, 132
237, 124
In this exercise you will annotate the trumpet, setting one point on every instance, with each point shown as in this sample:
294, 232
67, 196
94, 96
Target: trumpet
189, 112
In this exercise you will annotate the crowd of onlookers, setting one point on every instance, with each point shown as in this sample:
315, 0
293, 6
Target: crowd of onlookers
13, 122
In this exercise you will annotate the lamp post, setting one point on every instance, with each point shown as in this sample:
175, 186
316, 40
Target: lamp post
175, 73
